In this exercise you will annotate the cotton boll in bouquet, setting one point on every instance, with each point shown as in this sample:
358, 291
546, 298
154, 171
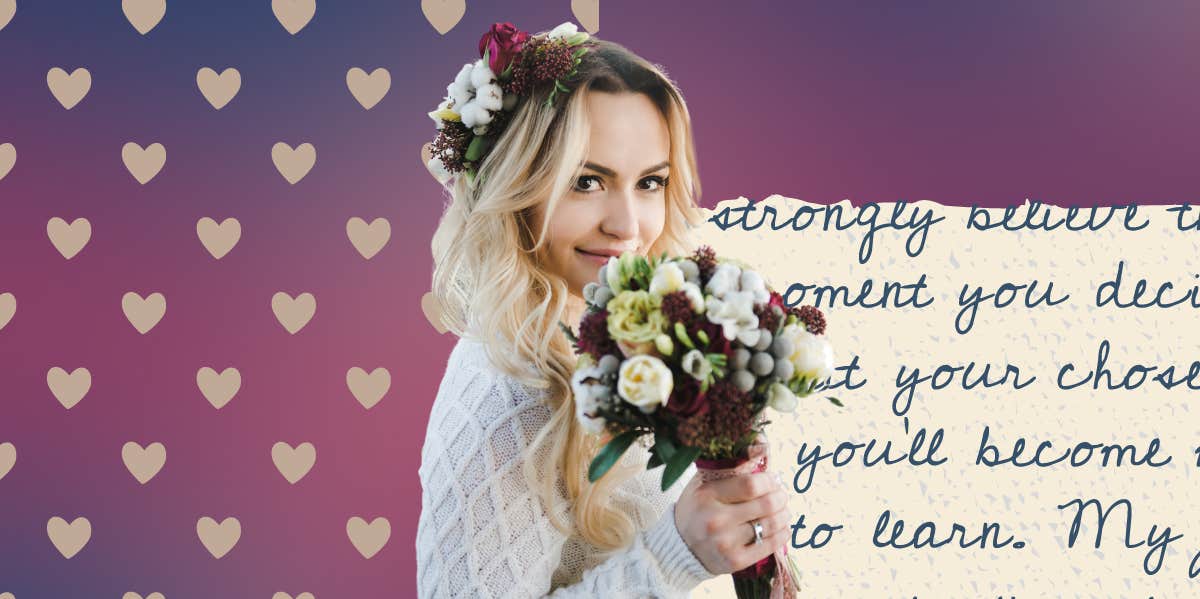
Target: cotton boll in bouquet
691, 350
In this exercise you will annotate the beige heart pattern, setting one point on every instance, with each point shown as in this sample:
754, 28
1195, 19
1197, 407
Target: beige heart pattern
218, 539
588, 14
218, 389
143, 463
368, 239
293, 164
218, 239
368, 389
143, 314
69, 538
293, 463
8, 8
69, 239
278, 595
8, 458
8, 156
143, 164
294, 14
218, 89
293, 314
144, 15
443, 14
368, 89
69, 389
133, 595
432, 313
368, 539
69, 89
8, 308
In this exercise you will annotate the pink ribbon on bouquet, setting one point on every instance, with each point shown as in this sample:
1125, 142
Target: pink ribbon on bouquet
783, 584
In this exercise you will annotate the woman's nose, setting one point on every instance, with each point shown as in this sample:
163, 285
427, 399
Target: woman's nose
621, 215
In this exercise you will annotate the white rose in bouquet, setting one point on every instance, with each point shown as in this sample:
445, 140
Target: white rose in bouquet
811, 356
645, 381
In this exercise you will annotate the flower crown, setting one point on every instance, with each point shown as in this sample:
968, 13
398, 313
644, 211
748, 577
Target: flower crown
481, 99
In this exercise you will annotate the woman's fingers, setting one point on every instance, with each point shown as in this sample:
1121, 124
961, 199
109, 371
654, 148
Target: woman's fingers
757, 508
750, 554
744, 487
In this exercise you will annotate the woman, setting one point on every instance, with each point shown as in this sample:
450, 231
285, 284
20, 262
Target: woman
506, 506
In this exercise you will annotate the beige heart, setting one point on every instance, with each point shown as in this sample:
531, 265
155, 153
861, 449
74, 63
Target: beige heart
69, 538
69, 89
293, 164
368, 539
219, 89
143, 164
69, 239
368, 389
587, 12
8, 152
294, 14
8, 308
368, 239
218, 539
69, 389
278, 595
432, 312
144, 14
218, 389
8, 8
218, 239
293, 314
368, 89
443, 14
293, 464
133, 595
143, 464
143, 314
8, 458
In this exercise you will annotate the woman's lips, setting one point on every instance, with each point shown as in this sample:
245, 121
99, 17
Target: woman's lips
595, 258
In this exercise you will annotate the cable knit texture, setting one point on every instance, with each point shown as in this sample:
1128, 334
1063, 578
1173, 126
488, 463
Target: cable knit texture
483, 532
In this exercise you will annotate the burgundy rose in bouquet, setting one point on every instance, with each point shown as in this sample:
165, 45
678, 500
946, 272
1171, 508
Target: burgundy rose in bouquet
691, 350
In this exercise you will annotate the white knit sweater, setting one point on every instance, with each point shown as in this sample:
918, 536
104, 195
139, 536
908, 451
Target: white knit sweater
483, 532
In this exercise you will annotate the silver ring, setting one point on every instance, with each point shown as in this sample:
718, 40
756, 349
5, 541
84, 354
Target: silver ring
758, 532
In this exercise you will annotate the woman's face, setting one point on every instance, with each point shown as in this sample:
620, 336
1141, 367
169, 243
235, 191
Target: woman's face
618, 201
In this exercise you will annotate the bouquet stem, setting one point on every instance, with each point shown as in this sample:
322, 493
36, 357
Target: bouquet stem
774, 576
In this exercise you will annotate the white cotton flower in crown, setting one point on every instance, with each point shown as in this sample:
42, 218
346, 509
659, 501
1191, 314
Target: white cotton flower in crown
667, 278
724, 280
734, 312
473, 115
460, 93
812, 355
644, 381
780, 398
481, 74
489, 96
439, 170
567, 29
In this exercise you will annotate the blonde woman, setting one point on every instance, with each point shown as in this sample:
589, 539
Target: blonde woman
567, 181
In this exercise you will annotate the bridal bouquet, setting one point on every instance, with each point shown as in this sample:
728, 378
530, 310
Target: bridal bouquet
691, 350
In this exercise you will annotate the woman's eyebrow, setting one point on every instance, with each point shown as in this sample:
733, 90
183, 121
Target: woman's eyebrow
611, 173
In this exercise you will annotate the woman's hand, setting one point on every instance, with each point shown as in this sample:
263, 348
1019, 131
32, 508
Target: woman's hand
716, 518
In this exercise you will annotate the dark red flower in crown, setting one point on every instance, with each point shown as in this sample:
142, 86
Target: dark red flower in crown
502, 43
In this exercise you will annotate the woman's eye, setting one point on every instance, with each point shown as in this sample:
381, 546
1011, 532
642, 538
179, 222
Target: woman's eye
580, 182
661, 182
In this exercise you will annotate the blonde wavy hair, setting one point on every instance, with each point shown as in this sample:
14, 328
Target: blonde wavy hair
489, 282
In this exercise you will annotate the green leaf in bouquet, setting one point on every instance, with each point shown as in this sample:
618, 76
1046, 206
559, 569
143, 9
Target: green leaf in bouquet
569, 333
680, 460
610, 454
664, 447
703, 337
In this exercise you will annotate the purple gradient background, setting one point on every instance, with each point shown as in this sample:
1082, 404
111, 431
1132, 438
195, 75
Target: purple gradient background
1067, 102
